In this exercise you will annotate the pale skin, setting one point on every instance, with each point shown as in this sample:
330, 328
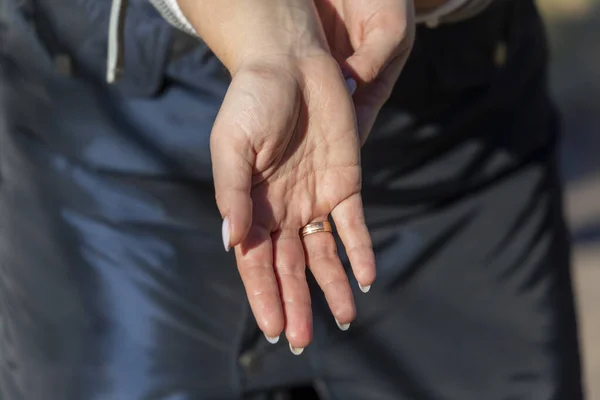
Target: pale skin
286, 143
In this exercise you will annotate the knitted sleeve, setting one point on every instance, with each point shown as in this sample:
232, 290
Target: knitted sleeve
450, 11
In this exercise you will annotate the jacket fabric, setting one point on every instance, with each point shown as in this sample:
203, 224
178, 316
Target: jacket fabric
113, 281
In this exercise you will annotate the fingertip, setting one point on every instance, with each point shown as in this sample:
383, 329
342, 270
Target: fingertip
268, 311
375, 53
271, 324
365, 65
226, 234
296, 350
299, 335
272, 339
365, 271
237, 224
344, 315
364, 289
342, 327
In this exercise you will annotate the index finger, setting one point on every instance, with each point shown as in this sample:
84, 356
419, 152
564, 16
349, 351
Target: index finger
255, 264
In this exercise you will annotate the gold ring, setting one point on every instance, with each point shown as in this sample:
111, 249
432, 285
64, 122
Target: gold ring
316, 227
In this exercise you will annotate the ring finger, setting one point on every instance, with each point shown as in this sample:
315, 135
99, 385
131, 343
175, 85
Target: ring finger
323, 261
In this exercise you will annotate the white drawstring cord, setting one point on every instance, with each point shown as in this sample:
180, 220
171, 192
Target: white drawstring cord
170, 11
114, 67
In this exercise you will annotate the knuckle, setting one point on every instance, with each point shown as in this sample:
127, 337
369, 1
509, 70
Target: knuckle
256, 272
360, 251
263, 293
295, 301
290, 272
322, 253
350, 220
334, 282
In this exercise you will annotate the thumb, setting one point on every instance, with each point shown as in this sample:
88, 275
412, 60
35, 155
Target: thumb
376, 65
387, 33
381, 44
372, 56
232, 163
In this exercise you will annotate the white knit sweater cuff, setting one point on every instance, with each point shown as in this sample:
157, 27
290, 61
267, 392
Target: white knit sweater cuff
450, 11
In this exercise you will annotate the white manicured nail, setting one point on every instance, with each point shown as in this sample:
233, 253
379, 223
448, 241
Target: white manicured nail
364, 289
272, 340
296, 351
343, 327
225, 233
351, 85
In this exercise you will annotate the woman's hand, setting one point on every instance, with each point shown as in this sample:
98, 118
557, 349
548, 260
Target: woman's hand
285, 153
371, 40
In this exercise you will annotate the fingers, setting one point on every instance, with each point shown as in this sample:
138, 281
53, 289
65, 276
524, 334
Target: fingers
350, 224
255, 264
325, 265
290, 269
386, 36
373, 97
378, 60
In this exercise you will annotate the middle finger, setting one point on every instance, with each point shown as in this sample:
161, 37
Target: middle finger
290, 270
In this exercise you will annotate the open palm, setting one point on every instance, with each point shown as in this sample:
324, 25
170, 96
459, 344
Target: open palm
285, 154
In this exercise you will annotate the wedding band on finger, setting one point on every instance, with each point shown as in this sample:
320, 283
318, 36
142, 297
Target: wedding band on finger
315, 227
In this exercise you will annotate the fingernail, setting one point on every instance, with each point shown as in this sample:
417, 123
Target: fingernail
272, 340
296, 351
351, 85
225, 233
364, 289
343, 327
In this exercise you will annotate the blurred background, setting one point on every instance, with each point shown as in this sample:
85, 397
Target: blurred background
574, 28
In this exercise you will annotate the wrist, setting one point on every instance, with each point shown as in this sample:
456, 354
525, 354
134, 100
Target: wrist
240, 32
